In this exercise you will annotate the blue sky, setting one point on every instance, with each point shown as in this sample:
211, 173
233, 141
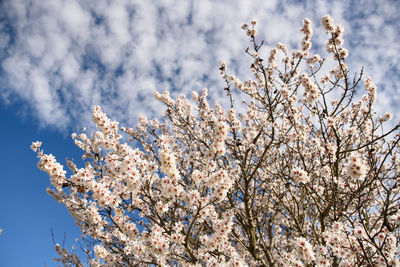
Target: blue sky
28, 212
59, 58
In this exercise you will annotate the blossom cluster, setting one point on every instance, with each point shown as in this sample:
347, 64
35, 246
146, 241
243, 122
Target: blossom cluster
371, 89
300, 175
356, 168
311, 89
305, 250
308, 32
54, 169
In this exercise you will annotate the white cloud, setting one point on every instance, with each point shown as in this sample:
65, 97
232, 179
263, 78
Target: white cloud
61, 57
74, 19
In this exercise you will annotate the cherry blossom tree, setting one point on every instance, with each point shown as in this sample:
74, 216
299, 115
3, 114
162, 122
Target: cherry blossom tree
302, 172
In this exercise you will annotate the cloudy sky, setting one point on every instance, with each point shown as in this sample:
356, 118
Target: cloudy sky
58, 58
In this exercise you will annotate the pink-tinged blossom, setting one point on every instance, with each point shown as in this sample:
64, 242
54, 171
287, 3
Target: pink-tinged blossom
36, 145
328, 23
305, 250
386, 117
300, 175
355, 166
359, 232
